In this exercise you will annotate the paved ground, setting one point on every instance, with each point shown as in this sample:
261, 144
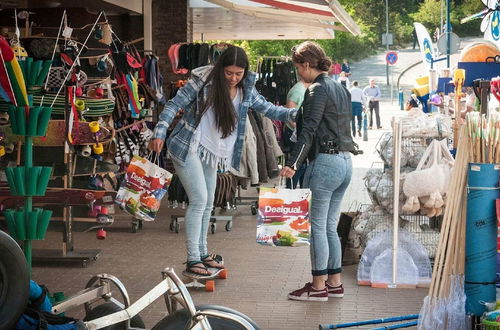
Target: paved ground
259, 277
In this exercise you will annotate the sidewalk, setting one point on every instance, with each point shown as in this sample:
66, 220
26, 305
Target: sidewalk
259, 277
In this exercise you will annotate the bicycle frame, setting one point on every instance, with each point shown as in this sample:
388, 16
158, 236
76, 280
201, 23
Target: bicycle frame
171, 287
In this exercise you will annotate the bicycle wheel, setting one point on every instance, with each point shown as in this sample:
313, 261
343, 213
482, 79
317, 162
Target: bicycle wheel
179, 319
14, 282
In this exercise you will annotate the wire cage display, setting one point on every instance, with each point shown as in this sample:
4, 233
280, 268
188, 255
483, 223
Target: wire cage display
412, 149
375, 265
424, 229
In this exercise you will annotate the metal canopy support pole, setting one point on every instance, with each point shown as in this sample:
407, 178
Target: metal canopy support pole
387, 37
147, 18
448, 31
396, 137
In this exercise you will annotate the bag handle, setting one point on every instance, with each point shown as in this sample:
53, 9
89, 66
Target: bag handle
445, 152
155, 159
426, 155
280, 182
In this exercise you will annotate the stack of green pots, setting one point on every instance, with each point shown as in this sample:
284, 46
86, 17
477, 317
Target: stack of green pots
29, 223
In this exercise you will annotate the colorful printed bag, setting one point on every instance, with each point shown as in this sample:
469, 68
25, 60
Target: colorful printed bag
283, 218
144, 186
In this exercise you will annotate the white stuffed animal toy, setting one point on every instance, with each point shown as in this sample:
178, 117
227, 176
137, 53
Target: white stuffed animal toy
429, 181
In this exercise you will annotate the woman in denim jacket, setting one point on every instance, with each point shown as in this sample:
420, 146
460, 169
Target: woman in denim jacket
324, 138
209, 136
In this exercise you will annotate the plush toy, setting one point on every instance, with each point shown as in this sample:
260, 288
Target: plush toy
429, 181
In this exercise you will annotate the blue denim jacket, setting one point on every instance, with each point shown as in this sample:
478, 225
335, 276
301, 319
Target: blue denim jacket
186, 98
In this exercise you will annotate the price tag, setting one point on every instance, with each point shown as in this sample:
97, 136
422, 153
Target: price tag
67, 32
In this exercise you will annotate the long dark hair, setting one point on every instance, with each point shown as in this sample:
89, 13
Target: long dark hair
218, 94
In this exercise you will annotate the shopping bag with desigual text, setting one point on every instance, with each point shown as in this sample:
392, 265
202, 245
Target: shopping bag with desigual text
283, 217
144, 186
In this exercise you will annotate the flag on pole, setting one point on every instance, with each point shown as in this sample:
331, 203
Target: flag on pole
425, 43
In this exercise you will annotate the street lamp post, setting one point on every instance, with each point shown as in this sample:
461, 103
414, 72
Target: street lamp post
448, 30
387, 37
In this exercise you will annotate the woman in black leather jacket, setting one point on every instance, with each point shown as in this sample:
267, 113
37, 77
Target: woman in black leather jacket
324, 138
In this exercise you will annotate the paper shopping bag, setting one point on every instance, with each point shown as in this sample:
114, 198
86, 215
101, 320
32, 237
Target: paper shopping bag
144, 186
283, 217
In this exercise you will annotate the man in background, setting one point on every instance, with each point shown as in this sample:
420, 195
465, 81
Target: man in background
372, 93
357, 101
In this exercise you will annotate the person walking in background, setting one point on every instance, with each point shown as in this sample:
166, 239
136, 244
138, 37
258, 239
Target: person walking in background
324, 138
295, 97
346, 68
436, 34
335, 70
344, 80
372, 93
210, 135
357, 101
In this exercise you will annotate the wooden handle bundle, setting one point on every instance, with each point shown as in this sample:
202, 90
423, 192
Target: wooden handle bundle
484, 134
451, 248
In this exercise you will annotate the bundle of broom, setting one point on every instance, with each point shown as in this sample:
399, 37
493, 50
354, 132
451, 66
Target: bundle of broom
444, 307
484, 134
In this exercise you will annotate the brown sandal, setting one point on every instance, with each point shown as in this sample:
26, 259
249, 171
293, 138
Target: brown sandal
194, 269
211, 263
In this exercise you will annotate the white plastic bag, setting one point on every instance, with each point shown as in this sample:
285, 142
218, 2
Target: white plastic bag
144, 186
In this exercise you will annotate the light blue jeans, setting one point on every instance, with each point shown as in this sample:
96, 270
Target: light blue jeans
328, 177
199, 180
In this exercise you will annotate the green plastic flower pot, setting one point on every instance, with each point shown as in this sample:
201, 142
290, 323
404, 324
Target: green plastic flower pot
11, 222
32, 174
31, 224
20, 128
20, 179
43, 223
20, 225
9, 173
43, 121
43, 180
33, 121
12, 118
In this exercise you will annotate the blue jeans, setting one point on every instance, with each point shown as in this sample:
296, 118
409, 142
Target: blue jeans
199, 180
328, 177
357, 110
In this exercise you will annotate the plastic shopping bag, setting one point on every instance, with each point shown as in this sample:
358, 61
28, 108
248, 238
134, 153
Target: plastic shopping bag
144, 186
283, 218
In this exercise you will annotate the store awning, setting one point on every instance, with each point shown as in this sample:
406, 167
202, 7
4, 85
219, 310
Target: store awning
269, 19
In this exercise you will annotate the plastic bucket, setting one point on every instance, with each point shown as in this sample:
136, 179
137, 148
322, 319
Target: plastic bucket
43, 180
43, 223
32, 180
33, 121
20, 225
43, 121
9, 173
20, 115
19, 179
11, 222
31, 224
12, 117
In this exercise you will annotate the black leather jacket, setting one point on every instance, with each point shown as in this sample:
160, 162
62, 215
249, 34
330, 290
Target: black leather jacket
324, 117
